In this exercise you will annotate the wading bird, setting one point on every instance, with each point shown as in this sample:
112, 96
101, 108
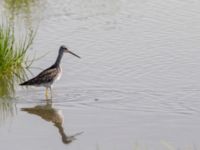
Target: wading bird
47, 77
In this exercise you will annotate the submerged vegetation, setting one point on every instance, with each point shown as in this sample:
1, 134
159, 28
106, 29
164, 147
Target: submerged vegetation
17, 6
13, 58
25, 10
7, 110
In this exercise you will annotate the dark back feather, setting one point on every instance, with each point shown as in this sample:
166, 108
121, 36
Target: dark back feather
46, 76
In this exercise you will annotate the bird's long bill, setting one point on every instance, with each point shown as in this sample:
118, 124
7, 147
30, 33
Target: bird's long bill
74, 54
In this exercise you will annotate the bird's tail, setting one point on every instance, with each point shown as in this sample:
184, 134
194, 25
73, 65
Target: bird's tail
29, 82
24, 83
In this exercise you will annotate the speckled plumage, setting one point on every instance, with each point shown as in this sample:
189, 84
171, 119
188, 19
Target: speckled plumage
45, 78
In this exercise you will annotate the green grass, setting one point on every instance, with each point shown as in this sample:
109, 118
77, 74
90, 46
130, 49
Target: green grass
13, 58
12, 55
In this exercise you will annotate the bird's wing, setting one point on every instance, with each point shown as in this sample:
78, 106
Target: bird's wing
45, 76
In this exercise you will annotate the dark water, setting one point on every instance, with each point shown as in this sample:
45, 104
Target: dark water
137, 85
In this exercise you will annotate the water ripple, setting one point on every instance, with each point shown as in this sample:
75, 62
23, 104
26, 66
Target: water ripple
182, 102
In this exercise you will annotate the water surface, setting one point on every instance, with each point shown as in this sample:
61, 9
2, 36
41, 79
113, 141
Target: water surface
136, 86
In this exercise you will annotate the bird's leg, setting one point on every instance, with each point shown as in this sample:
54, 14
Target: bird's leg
46, 93
51, 92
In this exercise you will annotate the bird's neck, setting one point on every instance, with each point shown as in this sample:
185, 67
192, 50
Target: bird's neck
58, 60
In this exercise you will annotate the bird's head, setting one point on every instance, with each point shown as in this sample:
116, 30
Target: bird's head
63, 48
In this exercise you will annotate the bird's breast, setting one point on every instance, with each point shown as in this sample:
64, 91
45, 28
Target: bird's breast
59, 74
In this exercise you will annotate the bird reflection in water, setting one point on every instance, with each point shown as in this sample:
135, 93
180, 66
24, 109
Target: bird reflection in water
50, 114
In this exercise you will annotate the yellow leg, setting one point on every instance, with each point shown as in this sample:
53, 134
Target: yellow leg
51, 92
46, 93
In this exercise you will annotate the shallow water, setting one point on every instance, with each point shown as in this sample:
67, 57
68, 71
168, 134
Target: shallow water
136, 86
